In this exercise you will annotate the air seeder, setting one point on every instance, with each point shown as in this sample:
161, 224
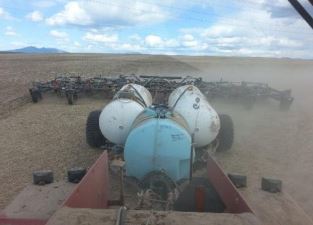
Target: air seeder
161, 145
248, 93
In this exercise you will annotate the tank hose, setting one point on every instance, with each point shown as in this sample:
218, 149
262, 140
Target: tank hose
140, 96
142, 101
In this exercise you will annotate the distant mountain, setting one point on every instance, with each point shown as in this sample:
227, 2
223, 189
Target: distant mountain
31, 49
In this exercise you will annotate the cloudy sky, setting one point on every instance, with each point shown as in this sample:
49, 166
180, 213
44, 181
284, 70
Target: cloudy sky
267, 28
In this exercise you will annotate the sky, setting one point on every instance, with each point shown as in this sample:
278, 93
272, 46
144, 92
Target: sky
255, 28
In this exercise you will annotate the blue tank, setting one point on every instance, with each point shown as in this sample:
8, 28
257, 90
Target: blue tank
158, 141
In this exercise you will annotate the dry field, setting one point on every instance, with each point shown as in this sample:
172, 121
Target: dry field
50, 134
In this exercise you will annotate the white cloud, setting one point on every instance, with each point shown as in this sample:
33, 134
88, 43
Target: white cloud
9, 31
77, 44
109, 14
103, 38
126, 47
188, 37
4, 14
61, 37
72, 14
252, 33
155, 41
35, 16
189, 41
285, 42
218, 30
250, 28
59, 34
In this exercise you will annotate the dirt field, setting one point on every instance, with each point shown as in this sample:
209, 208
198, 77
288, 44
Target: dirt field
50, 134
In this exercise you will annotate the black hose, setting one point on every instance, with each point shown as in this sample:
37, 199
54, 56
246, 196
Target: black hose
140, 96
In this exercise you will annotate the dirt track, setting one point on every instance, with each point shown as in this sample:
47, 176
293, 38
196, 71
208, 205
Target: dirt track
50, 134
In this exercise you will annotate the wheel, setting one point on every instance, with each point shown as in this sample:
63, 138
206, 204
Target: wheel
271, 185
42, 177
225, 136
94, 136
70, 98
75, 174
39, 95
238, 180
35, 95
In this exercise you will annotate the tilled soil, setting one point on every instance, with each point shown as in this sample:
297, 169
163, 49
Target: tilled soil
50, 134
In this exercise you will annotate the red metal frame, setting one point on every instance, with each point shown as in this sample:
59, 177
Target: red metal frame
200, 198
232, 199
93, 190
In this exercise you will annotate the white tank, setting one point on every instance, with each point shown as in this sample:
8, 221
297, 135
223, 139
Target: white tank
202, 119
140, 91
117, 117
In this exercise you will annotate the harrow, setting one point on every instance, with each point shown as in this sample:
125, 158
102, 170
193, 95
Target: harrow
160, 87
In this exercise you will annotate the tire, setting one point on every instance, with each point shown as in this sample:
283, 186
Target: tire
225, 136
42, 177
70, 98
35, 95
39, 95
94, 136
75, 174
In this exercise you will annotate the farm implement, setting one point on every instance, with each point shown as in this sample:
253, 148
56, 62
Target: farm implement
248, 93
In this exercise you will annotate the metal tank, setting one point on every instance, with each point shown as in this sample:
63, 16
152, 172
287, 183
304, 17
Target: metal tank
117, 117
202, 119
158, 141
